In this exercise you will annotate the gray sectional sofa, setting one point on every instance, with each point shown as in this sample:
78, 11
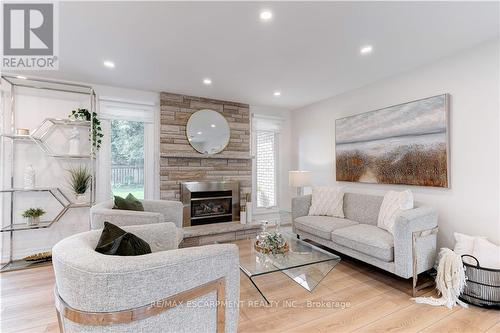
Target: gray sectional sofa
410, 251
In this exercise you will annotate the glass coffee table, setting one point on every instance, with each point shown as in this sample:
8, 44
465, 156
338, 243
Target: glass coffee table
304, 263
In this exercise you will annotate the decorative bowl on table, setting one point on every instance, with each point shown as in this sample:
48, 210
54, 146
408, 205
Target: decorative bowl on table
272, 242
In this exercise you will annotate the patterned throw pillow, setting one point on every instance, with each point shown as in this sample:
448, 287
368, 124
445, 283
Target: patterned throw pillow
327, 201
393, 204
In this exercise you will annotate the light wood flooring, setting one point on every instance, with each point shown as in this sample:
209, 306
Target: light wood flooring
374, 302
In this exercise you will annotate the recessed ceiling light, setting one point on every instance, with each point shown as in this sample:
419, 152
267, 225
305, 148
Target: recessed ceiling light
277, 93
207, 81
199, 133
109, 64
213, 125
266, 15
366, 49
21, 77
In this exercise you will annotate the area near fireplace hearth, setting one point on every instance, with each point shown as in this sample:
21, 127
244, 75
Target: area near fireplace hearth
180, 163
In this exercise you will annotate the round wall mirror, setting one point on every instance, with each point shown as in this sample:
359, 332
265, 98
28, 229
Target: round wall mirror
208, 132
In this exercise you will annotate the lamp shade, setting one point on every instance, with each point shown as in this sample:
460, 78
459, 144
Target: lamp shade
299, 178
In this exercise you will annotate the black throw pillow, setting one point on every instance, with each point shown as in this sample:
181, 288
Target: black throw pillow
128, 203
118, 242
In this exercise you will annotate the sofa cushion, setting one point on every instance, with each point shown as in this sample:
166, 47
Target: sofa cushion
367, 239
321, 226
362, 208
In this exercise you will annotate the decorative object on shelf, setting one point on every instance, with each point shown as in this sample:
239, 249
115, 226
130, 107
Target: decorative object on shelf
39, 257
29, 177
22, 131
243, 214
80, 181
248, 203
402, 144
272, 242
208, 132
74, 142
33, 216
299, 179
84, 114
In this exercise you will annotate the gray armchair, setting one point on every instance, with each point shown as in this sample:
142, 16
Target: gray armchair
170, 290
155, 211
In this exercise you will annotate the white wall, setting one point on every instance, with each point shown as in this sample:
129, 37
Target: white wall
285, 151
471, 205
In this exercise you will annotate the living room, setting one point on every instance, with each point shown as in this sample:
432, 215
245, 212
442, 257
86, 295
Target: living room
250, 166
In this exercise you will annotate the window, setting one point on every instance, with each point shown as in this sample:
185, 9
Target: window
127, 158
265, 149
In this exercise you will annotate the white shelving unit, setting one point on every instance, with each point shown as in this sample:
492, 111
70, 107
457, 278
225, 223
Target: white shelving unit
39, 136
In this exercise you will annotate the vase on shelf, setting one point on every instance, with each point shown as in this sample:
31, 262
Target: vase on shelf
74, 142
243, 215
29, 178
33, 220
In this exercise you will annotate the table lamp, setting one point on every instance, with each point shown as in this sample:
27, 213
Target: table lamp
299, 179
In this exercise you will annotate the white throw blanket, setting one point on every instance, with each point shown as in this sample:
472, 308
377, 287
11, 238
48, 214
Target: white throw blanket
450, 281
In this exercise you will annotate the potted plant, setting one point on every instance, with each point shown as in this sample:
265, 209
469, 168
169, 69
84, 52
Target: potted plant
33, 215
85, 115
80, 181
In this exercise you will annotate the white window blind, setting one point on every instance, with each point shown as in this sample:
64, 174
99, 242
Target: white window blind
265, 147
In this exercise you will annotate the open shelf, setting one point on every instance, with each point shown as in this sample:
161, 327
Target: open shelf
26, 138
25, 226
36, 189
24, 264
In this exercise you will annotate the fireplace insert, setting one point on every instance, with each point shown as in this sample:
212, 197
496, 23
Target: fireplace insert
210, 202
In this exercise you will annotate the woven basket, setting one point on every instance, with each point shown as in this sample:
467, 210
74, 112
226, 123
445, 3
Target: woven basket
483, 285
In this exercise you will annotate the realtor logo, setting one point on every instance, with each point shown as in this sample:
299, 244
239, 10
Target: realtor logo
29, 36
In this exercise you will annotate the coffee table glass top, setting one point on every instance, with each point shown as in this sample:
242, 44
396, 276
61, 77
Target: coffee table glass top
304, 262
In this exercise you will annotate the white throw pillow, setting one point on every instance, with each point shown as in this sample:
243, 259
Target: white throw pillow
393, 204
487, 253
327, 201
464, 244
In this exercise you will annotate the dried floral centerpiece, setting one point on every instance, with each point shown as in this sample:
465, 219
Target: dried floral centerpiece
270, 242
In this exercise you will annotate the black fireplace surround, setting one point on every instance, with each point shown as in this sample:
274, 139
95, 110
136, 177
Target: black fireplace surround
210, 202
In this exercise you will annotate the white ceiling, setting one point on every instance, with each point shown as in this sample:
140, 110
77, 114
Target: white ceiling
309, 51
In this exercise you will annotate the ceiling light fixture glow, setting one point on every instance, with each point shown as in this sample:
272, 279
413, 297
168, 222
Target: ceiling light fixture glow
366, 49
109, 64
21, 77
213, 125
266, 15
207, 81
199, 133
277, 93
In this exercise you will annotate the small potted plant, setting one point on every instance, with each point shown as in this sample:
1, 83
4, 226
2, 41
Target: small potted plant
33, 215
80, 181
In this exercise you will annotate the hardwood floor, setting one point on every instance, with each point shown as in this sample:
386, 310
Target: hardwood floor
354, 298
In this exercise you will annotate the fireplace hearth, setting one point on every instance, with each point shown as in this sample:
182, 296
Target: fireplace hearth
210, 202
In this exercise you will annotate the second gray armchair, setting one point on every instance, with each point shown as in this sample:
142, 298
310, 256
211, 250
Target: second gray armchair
155, 211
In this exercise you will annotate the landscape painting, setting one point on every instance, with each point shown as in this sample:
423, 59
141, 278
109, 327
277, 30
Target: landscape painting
401, 144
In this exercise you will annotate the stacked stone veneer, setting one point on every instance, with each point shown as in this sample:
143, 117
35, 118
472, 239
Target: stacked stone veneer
179, 162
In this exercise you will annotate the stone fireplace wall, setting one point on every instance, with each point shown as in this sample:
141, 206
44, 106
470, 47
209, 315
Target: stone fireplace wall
179, 162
